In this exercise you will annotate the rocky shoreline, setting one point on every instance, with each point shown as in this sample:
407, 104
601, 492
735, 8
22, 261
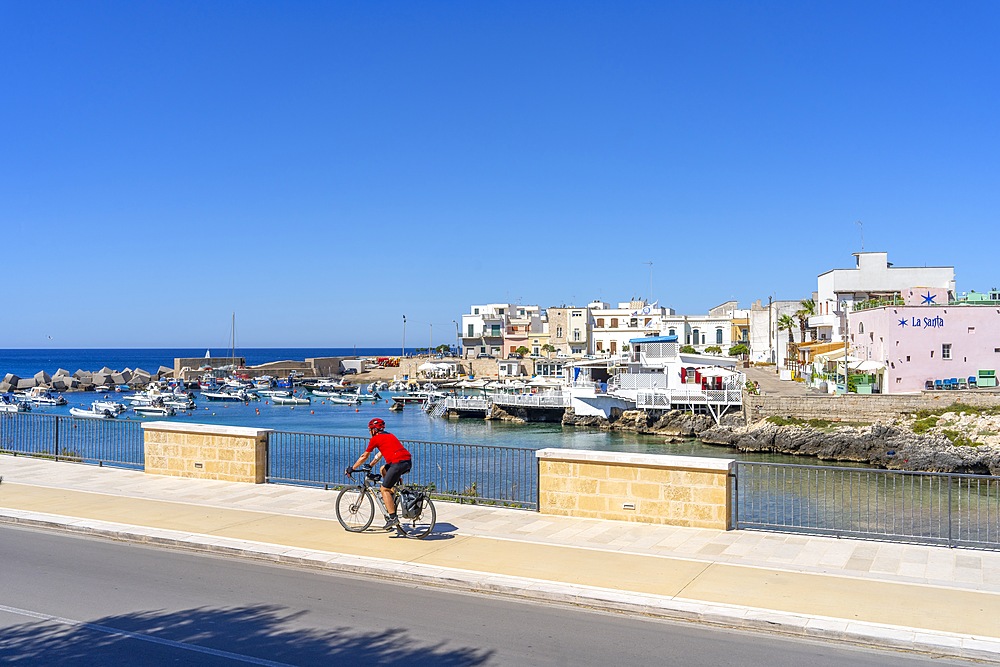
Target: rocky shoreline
955, 442
81, 380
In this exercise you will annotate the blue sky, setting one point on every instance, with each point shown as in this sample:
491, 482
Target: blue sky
323, 168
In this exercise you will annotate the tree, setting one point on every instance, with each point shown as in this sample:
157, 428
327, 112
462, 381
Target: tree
713, 349
688, 349
786, 323
739, 350
548, 349
522, 350
807, 310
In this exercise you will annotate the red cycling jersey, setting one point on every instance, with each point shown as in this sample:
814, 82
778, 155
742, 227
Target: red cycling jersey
391, 448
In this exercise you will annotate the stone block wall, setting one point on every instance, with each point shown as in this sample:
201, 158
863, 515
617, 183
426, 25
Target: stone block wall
642, 488
861, 407
203, 451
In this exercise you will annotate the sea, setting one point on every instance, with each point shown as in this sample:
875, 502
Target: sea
412, 423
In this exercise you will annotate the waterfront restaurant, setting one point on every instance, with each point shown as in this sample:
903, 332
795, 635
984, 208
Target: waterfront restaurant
928, 342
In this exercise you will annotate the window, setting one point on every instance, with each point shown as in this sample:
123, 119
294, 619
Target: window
614, 322
576, 313
907, 357
576, 335
600, 322
861, 327
634, 322
672, 332
499, 311
559, 332
600, 346
972, 330
696, 335
946, 350
718, 336
471, 331
475, 311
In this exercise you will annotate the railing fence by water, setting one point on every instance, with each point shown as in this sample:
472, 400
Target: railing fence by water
97, 441
935, 508
505, 476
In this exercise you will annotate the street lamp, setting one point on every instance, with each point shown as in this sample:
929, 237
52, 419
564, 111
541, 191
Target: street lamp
458, 339
403, 354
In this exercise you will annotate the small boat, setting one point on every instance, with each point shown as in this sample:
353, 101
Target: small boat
290, 400
180, 402
344, 399
369, 398
116, 408
228, 394
93, 413
10, 403
40, 396
271, 393
154, 411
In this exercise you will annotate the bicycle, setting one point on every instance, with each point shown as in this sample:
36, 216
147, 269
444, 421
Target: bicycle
355, 506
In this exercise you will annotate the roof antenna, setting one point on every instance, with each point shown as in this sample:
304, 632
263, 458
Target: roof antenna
862, 228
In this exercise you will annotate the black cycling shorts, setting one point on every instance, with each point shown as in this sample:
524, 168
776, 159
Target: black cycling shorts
393, 472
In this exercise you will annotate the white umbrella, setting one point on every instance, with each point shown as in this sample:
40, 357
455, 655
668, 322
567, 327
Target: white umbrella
427, 367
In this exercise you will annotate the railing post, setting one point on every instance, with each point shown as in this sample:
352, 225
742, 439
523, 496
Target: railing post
55, 439
950, 509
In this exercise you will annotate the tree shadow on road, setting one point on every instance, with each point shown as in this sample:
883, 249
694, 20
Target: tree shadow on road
259, 634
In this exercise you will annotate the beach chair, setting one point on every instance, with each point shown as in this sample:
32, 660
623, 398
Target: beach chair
963, 383
928, 384
938, 384
972, 382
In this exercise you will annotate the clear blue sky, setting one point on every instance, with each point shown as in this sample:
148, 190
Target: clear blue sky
324, 168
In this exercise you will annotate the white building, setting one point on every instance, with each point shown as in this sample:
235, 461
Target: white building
874, 278
486, 326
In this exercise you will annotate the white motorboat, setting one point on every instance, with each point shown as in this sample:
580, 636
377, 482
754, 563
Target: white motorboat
154, 410
10, 403
227, 394
41, 396
116, 408
270, 393
93, 413
180, 403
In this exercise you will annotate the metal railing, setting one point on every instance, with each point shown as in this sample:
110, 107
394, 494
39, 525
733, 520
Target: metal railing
554, 400
935, 508
116, 442
467, 403
664, 398
461, 473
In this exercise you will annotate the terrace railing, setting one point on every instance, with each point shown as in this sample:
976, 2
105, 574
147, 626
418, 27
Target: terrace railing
935, 508
115, 442
550, 400
461, 473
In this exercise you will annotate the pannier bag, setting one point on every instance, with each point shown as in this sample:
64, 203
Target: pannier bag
410, 503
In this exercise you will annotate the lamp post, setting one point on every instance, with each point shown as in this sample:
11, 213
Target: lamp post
403, 354
458, 339
430, 341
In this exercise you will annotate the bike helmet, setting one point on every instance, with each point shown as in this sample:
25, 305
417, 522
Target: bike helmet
376, 424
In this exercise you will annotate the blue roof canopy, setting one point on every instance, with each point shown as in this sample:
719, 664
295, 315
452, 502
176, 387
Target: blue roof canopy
654, 339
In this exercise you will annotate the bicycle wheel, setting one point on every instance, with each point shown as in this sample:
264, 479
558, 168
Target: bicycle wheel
355, 509
421, 526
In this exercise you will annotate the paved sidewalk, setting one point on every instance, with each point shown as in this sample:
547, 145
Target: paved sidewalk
930, 599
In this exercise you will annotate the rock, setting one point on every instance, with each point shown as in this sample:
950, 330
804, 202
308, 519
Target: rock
26, 383
105, 371
60, 372
165, 372
11, 379
6, 386
41, 377
59, 383
118, 378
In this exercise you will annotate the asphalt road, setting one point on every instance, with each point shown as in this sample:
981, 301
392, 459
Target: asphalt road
67, 600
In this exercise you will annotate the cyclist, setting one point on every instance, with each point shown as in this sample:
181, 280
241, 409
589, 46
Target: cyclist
397, 463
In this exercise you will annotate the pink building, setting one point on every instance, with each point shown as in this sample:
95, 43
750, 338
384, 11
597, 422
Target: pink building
925, 339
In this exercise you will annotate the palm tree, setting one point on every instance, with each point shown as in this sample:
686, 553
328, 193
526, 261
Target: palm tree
807, 310
786, 323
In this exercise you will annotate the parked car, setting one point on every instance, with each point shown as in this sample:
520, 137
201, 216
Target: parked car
515, 355
483, 355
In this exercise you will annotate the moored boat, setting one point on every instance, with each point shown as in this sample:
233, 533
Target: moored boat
154, 410
93, 413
